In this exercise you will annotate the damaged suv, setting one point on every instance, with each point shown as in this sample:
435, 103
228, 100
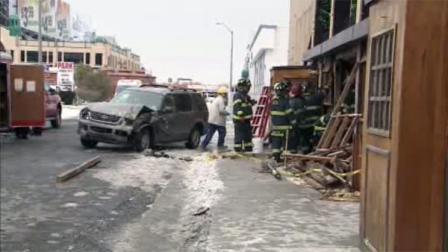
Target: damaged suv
145, 117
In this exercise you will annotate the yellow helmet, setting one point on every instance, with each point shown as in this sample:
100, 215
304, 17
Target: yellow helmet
222, 90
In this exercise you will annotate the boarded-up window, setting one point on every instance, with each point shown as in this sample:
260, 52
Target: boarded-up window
380, 88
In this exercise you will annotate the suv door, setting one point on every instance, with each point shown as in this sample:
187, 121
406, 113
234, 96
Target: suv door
167, 124
184, 114
200, 108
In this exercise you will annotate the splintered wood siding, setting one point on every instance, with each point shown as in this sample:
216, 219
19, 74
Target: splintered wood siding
380, 92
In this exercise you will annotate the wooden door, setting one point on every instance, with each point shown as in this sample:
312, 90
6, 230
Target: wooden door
377, 136
445, 243
446, 202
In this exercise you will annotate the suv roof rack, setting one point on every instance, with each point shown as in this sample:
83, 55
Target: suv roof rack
154, 85
172, 88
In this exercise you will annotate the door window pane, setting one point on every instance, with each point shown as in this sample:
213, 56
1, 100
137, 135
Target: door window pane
380, 93
183, 102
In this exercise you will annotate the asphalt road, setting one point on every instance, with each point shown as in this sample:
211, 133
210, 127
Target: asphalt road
38, 214
131, 202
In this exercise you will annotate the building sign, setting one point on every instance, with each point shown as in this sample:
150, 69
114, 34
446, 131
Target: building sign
63, 20
66, 76
56, 17
28, 13
49, 8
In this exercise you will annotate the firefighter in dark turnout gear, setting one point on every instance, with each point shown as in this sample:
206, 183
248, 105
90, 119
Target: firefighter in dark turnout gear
242, 115
297, 104
313, 112
280, 119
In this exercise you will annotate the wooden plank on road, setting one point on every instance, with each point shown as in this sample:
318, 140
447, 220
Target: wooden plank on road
78, 170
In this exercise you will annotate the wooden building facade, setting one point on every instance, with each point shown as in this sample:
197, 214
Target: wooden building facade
404, 140
399, 50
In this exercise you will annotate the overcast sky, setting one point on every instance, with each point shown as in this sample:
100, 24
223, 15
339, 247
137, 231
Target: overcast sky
179, 38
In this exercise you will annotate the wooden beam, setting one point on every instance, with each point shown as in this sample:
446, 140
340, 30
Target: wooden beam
308, 157
348, 83
332, 130
341, 132
78, 170
350, 132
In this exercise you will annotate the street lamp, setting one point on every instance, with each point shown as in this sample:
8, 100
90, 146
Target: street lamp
231, 56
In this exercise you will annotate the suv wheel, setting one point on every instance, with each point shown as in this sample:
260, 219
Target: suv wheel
89, 144
56, 123
194, 139
142, 140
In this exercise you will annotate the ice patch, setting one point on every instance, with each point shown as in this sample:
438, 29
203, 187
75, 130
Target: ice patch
70, 204
80, 194
55, 235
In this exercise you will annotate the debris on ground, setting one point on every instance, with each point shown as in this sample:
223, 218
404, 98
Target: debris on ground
161, 154
78, 170
187, 159
330, 166
271, 166
201, 211
341, 195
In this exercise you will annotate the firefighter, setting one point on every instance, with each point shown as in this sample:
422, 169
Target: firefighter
297, 104
242, 115
312, 113
320, 126
280, 120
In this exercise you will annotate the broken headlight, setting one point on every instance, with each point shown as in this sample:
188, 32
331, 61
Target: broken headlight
84, 114
128, 122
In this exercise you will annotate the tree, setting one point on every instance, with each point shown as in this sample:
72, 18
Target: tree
92, 85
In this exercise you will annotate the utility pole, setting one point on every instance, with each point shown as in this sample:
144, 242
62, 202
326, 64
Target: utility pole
231, 62
231, 58
40, 31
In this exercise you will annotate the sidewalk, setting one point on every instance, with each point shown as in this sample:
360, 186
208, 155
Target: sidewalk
258, 213
228, 205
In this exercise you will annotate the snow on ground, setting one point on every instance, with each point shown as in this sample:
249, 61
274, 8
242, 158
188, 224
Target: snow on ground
203, 182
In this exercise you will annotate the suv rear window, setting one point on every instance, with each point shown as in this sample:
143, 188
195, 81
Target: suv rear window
183, 102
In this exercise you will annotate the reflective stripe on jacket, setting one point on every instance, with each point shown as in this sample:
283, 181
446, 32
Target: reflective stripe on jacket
313, 111
281, 113
242, 107
297, 104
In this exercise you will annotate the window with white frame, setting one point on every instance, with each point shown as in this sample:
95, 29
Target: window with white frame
381, 81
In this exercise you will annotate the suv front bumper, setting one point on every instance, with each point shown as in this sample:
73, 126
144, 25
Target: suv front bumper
114, 134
